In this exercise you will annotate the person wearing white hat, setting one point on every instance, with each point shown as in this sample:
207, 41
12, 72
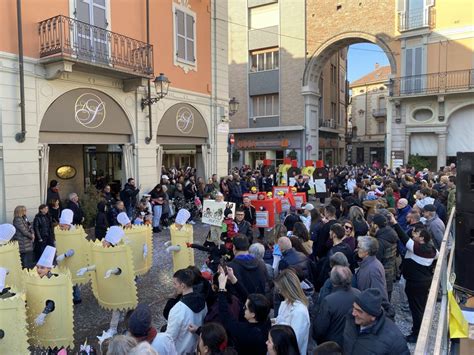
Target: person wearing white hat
112, 238
65, 221
124, 220
7, 231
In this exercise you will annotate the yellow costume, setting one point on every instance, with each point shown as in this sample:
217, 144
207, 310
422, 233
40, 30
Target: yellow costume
181, 233
73, 239
117, 292
13, 324
139, 239
10, 260
57, 330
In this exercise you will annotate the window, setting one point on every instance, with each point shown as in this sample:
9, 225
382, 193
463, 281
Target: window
265, 105
185, 29
342, 115
264, 16
333, 110
413, 81
264, 60
333, 74
382, 103
381, 127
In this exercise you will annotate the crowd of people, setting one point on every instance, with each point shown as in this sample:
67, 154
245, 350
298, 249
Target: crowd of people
320, 282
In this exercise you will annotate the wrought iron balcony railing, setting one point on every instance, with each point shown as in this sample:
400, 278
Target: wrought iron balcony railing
414, 19
77, 40
379, 112
434, 83
328, 123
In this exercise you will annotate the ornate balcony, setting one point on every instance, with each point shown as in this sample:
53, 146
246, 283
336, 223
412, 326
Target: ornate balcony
434, 83
416, 19
379, 112
69, 42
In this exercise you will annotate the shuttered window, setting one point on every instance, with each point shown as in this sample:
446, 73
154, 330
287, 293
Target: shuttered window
185, 41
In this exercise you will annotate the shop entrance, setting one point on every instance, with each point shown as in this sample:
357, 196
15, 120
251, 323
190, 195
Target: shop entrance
103, 165
179, 159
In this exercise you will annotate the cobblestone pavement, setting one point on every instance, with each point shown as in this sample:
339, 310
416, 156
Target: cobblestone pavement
156, 286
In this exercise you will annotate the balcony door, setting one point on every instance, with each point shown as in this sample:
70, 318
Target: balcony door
413, 81
91, 34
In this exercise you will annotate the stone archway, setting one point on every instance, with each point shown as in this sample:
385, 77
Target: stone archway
331, 27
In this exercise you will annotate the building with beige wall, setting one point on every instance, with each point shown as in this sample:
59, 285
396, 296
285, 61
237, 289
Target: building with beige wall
86, 70
267, 58
367, 114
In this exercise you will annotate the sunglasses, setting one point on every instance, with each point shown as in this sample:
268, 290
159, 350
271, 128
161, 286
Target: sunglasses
348, 227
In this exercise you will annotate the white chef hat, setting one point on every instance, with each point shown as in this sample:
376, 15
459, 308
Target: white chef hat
47, 257
182, 216
66, 217
7, 231
163, 177
3, 276
123, 219
114, 235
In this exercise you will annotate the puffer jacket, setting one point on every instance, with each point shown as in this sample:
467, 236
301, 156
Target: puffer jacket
297, 260
23, 234
387, 254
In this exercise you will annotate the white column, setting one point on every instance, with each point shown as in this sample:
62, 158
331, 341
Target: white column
407, 147
311, 112
441, 149
388, 134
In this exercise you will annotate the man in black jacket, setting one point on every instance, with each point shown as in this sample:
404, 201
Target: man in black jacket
74, 205
250, 271
245, 228
249, 210
331, 318
292, 258
321, 246
129, 196
369, 331
43, 228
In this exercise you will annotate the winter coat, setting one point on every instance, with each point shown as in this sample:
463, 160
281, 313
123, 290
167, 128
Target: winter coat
250, 214
191, 309
321, 247
436, 227
78, 212
43, 227
101, 221
23, 234
331, 317
383, 338
246, 229
251, 273
129, 195
297, 260
402, 217
296, 315
387, 253
52, 195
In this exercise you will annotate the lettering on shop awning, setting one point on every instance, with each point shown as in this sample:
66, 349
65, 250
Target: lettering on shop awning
250, 143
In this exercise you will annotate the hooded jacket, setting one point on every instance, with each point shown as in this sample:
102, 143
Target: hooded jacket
387, 253
250, 272
191, 309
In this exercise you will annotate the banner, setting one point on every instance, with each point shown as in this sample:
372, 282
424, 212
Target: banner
300, 199
263, 219
320, 185
213, 212
270, 206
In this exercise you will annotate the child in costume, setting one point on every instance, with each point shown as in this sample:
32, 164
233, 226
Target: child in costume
10, 256
181, 233
106, 291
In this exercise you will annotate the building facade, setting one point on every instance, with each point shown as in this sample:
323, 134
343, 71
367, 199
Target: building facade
367, 114
267, 58
429, 47
433, 97
87, 65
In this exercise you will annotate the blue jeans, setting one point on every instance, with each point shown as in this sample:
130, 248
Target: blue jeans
129, 211
157, 211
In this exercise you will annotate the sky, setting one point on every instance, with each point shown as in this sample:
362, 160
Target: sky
362, 58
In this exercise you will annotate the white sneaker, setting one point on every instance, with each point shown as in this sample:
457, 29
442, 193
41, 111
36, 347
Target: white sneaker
192, 222
106, 335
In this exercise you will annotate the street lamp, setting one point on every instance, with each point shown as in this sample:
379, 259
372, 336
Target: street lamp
233, 106
162, 84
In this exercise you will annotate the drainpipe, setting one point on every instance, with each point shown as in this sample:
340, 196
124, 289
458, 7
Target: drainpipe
20, 136
150, 122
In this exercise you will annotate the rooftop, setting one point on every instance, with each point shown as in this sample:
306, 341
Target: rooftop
380, 74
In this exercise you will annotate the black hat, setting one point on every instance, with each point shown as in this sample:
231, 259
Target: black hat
430, 208
140, 321
370, 301
379, 220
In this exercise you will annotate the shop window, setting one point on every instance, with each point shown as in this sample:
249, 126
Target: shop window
265, 105
185, 30
264, 60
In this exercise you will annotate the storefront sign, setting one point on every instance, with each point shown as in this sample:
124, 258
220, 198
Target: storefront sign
397, 158
184, 120
250, 143
89, 110
223, 128
328, 143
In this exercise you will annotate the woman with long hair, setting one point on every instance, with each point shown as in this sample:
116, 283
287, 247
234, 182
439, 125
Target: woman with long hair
349, 233
293, 310
300, 231
25, 237
356, 215
316, 224
282, 341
